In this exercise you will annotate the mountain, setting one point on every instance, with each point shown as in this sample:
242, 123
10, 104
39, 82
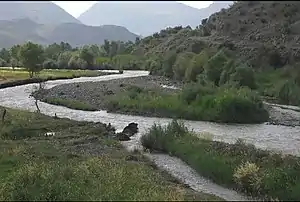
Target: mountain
262, 33
21, 30
147, 17
43, 12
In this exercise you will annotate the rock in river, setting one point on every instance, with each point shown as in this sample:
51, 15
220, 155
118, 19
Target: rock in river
131, 129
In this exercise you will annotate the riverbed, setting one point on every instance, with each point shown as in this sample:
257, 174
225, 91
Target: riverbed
273, 137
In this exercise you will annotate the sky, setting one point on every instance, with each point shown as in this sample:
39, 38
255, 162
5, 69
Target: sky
75, 8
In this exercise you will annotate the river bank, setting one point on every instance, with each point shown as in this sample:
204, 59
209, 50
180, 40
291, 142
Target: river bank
67, 151
99, 95
271, 137
240, 166
19, 77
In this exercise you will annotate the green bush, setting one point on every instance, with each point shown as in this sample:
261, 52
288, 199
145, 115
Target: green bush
181, 64
195, 102
240, 166
214, 66
288, 93
196, 66
50, 64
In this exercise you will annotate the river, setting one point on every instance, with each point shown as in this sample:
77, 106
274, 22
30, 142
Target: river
272, 137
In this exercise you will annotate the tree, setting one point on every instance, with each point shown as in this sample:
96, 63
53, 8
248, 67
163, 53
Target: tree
113, 49
181, 64
32, 57
77, 63
14, 51
214, 67
50, 64
196, 66
5, 55
53, 51
106, 47
243, 76
63, 59
87, 55
13, 63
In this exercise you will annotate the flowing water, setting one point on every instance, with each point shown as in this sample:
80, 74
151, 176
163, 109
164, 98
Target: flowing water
272, 137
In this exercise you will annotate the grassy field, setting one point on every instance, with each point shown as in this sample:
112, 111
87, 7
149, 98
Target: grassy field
7, 75
240, 166
81, 161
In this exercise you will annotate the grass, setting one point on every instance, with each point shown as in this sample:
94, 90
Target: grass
7, 75
72, 104
239, 166
194, 103
80, 162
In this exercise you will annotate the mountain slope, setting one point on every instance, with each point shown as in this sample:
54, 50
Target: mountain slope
263, 33
20, 31
43, 12
147, 17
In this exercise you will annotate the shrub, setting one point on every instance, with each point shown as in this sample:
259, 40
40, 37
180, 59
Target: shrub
50, 64
196, 66
268, 176
214, 67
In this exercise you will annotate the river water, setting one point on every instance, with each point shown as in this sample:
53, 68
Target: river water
272, 137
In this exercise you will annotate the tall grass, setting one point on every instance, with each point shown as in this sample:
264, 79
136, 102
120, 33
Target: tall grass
239, 166
81, 162
194, 103
72, 104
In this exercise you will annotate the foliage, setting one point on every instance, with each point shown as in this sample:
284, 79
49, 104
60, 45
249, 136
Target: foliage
31, 56
195, 102
240, 166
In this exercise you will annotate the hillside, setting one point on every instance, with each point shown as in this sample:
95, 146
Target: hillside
20, 31
43, 12
263, 33
147, 17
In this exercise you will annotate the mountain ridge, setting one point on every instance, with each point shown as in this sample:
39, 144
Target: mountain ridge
157, 15
21, 30
44, 12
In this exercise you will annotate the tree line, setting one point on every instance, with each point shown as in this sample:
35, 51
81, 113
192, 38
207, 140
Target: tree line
35, 57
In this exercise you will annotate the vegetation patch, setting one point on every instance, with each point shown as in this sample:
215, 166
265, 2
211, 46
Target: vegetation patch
10, 78
79, 161
195, 102
72, 104
240, 166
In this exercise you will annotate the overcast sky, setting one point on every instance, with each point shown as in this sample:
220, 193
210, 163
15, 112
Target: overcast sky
75, 8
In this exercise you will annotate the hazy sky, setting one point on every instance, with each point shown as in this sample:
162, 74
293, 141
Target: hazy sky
75, 8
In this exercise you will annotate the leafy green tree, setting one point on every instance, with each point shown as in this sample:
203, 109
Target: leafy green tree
5, 55
53, 51
77, 63
182, 62
215, 66
87, 55
50, 64
167, 64
63, 59
243, 76
196, 66
2, 63
14, 63
113, 49
65, 46
32, 57
106, 47
102, 62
